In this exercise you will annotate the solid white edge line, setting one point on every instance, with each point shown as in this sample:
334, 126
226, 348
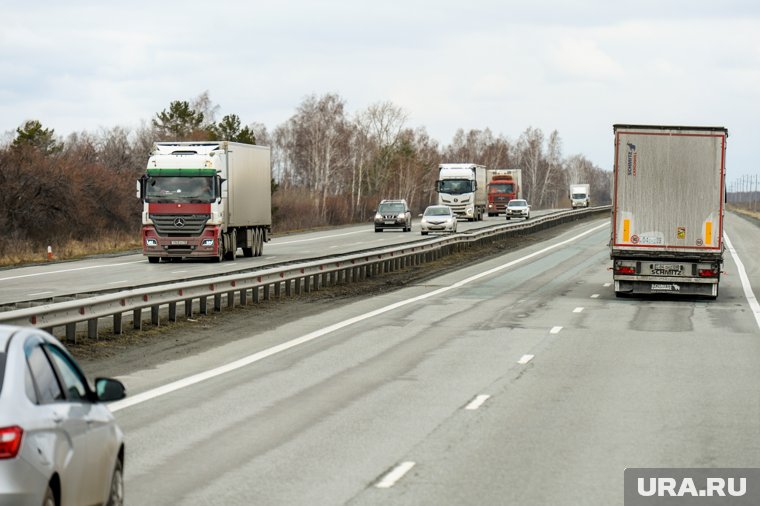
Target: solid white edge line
555, 330
578, 310
255, 357
395, 474
748, 293
69, 270
595, 296
477, 402
525, 359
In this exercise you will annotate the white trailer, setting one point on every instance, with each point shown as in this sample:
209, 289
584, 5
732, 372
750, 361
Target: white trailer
462, 187
206, 199
667, 216
580, 195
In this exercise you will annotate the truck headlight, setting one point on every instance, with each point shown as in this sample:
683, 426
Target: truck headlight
151, 242
207, 242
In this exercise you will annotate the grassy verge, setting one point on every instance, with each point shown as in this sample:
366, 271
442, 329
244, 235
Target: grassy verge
21, 253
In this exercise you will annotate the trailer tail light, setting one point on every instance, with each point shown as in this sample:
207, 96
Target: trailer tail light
708, 273
10, 441
624, 269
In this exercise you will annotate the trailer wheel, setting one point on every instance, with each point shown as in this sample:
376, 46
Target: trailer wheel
258, 240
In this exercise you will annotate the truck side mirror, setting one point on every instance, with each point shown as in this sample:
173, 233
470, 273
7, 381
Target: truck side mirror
140, 187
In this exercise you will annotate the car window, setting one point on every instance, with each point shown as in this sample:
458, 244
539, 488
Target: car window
48, 389
72, 379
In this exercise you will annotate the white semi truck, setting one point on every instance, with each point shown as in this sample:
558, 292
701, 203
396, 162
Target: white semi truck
667, 209
206, 199
462, 187
580, 195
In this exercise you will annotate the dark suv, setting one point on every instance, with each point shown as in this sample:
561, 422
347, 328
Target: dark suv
393, 214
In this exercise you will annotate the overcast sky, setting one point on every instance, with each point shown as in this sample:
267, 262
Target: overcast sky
577, 67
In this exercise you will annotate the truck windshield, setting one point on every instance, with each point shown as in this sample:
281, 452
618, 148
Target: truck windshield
501, 188
455, 186
579, 195
195, 189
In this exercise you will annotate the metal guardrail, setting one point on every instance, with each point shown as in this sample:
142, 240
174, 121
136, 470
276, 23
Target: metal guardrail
290, 280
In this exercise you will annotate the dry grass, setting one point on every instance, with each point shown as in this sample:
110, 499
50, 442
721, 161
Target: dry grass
25, 253
743, 210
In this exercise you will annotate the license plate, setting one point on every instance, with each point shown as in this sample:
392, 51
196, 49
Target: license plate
389, 222
179, 243
656, 287
667, 269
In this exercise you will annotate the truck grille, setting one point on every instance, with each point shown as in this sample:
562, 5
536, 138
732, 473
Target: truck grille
183, 224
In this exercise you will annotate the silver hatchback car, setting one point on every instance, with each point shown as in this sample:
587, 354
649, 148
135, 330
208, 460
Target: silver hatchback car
59, 444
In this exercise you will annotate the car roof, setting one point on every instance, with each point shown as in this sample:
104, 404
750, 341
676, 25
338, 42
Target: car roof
438, 207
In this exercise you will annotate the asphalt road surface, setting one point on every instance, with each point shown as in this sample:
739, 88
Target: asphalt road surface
520, 380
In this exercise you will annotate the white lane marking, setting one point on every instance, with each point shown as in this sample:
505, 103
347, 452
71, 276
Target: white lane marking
179, 272
396, 474
117, 282
595, 296
555, 330
751, 299
477, 402
525, 359
275, 242
269, 258
68, 270
578, 310
255, 357
607, 285
36, 294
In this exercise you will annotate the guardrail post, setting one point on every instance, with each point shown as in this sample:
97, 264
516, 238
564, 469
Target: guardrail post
289, 288
297, 282
231, 299
71, 332
203, 305
155, 317
189, 308
244, 296
277, 290
117, 327
256, 294
92, 328
137, 319
172, 311
266, 291
217, 302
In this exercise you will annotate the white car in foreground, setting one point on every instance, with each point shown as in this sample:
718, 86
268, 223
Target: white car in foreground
438, 219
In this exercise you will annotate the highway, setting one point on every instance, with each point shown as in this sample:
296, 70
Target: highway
46, 281
519, 380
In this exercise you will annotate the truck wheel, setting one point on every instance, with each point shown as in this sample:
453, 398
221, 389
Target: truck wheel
424, 233
378, 230
220, 250
509, 218
231, 252
153, 260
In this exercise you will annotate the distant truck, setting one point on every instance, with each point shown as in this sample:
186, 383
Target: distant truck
206, 199
503, 185
462, 187
580, 195
667, 209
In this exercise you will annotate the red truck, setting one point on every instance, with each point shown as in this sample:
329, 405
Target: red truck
503, 186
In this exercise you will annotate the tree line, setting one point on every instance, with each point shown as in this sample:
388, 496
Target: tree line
329, 167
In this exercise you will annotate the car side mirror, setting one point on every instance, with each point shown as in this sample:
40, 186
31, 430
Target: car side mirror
107, 389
